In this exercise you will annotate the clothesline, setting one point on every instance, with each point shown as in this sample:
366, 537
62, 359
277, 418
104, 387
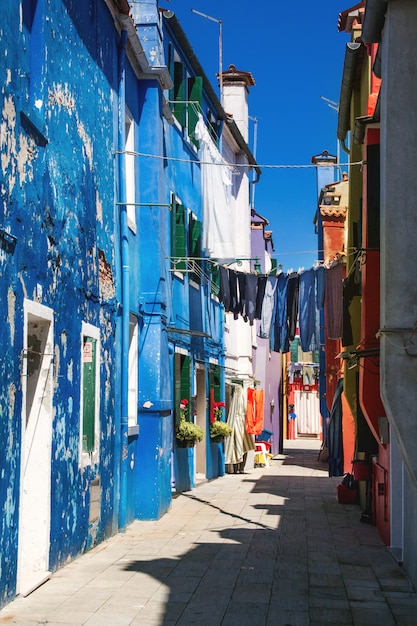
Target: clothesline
232, 165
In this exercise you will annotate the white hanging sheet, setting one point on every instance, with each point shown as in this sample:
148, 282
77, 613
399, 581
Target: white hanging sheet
216, 189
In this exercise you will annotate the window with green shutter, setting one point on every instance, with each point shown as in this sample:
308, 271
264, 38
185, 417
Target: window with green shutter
215, 381
194, 247
182, 384
195, 95
178, 236
89, 393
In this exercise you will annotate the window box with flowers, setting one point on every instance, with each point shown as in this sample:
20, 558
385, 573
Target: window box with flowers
218, 428
187, 433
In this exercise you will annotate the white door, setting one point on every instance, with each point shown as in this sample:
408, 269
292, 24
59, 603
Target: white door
35, 483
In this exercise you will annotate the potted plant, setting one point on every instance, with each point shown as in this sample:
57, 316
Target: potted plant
187, 433
218, 428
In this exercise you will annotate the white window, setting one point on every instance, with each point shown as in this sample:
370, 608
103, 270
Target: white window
90, 394
130, 170
133, 376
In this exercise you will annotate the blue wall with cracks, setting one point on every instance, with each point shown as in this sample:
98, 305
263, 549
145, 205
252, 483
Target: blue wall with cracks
61, 247
57, 94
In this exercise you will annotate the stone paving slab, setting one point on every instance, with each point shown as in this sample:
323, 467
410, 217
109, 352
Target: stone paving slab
271, 547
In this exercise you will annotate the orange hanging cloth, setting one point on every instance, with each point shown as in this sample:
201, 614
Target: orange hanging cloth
255, 411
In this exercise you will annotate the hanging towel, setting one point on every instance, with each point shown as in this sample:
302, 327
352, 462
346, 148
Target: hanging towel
255, 411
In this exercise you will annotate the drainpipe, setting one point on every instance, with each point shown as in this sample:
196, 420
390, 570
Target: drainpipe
348, 80
125, 281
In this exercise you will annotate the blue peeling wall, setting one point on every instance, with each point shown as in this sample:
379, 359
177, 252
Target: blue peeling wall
57, 95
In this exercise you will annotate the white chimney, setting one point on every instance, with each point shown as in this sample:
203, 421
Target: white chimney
235, 97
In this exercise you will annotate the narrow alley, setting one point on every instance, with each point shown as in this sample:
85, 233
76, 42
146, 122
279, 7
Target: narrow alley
268, 547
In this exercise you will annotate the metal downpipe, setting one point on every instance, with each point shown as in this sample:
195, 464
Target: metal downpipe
124, 244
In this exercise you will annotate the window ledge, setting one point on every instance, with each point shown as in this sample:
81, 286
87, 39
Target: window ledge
133, 431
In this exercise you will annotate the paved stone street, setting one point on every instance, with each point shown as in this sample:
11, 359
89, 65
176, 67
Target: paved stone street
269, 547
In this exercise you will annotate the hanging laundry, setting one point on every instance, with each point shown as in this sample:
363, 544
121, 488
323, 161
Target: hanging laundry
255, 411
307, 311
268, 307
239, 443
224, 292
282, 340
308, 375
234, 294
333, 300
292, 304
216, 186
320, 285
260, 293
251, 285
241, 281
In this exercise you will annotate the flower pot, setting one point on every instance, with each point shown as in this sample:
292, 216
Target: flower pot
360, 470
346, 495
217, 439
185, 443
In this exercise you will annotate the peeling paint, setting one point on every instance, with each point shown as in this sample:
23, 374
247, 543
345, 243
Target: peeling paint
25, 157
70, 371
56, 365
12, 398
22, 282
88, 146
61, 97
15, 161
11, 306
8, 141
99, 208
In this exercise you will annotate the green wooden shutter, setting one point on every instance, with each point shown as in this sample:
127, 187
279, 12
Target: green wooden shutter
182, 384
179, 93
194, 247
89, 393
178, 235
215, 381
195, 94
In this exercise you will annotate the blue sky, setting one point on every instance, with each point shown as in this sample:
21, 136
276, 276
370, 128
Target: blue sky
295, 54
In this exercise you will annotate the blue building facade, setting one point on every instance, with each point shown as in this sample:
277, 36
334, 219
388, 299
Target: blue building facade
182, 320
59, 362
109, 311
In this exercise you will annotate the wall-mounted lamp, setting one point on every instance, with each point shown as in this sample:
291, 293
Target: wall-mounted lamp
272, 405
